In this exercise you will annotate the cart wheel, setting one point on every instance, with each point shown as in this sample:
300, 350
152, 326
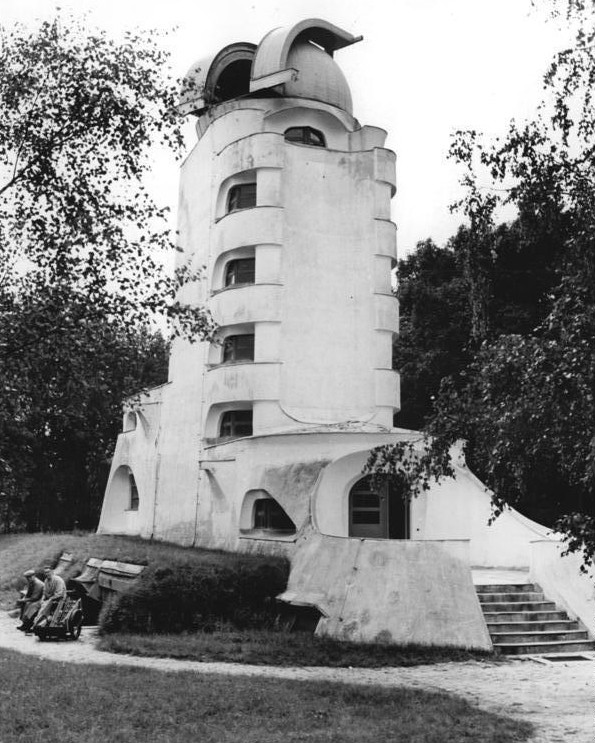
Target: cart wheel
75, 625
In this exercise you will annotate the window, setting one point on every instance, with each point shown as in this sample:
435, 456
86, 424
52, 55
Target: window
238, 348
133, 493
236, 423
240, 271
305, 135
365, 503
241, 196
268, 514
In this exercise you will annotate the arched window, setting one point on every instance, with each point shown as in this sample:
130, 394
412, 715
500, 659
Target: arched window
241, 196
130, 421
238, 348
269, 515
235, 424
134, 499
240, 271
305, 135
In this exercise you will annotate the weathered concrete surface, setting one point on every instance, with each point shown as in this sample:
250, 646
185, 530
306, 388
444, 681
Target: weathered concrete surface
389, 591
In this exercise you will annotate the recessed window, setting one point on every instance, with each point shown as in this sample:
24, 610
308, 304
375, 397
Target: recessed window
240, 271
134, 499
365, 503
238, 348
236, 423
241, 196
305, 135
268, 514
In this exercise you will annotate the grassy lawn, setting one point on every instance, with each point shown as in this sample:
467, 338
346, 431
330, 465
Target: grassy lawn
277, 648
46, 702
20, 552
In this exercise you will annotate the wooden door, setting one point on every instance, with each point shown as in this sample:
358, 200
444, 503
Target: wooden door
377, 513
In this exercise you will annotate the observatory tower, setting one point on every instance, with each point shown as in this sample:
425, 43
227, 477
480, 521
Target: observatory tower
285, 199
258, 440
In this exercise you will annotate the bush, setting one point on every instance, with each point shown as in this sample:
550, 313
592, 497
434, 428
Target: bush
189, 596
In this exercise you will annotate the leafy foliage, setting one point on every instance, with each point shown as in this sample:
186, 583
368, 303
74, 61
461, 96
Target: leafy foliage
436, 339
434, 328
83, 249
80, 116
61, 409
525, 402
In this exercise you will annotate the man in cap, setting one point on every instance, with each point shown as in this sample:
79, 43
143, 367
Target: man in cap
54, 589
30, 601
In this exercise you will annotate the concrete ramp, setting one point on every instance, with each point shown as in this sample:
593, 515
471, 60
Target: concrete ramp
396, 592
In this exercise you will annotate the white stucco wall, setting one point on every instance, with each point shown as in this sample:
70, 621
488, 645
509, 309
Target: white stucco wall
321, 305
136, 453
562, 580
321, 308
457, 508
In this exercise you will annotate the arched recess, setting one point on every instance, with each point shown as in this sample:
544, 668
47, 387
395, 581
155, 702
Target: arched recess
216, 418
263, 514
229, 73
220, 78
246, 180
243, 260
123, 491
332, 503
335, 125
217, 349
130, 421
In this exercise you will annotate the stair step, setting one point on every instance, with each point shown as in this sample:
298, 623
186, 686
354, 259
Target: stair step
524, 616
563, 625
505, 587
494, 598
499, 606
521, 621
499, 638
533, 648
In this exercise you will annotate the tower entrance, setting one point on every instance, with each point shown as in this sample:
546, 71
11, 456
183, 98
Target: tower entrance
378, 512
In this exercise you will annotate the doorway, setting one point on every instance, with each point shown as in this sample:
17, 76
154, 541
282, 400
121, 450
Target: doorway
378, 512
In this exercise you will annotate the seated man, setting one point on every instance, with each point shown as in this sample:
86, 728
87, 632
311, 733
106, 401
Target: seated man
31, 601
54, 589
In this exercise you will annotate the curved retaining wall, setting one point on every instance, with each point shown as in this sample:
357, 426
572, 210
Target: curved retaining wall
389, 591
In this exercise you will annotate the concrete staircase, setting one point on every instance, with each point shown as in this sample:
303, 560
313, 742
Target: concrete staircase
522, 622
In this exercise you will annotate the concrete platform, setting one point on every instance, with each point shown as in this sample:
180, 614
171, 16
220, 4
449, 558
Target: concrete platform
499, 576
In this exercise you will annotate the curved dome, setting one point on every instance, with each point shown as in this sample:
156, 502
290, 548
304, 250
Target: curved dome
221, 77
319, 77
296, 61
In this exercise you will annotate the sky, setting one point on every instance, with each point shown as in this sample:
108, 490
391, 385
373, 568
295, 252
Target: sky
424, 69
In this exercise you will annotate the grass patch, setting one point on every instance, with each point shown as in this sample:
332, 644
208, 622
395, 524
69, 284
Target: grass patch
45, 702
19, 552
278, 648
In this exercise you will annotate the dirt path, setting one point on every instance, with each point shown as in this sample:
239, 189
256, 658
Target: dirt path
559, 699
